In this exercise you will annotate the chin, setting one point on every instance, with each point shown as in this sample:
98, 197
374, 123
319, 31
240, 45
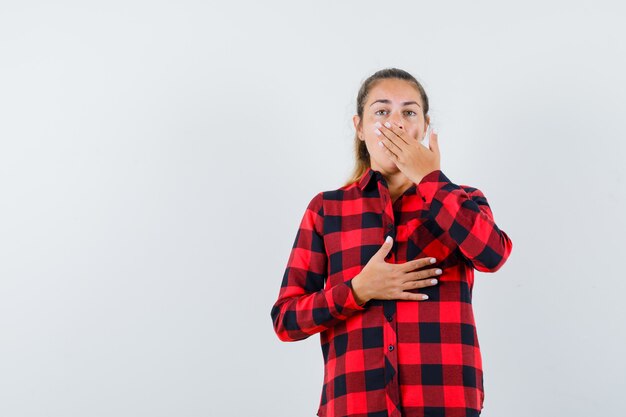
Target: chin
389, 166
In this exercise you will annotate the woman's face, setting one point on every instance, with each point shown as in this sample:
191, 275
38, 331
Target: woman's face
392, 100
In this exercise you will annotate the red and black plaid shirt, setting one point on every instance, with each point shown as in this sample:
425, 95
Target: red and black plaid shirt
392, 357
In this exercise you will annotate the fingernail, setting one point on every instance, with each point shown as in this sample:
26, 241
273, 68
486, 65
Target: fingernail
424, 297
433, 260
377, 124
389, 239
387, 124
438, 271
433, 281
377, 132
380, 143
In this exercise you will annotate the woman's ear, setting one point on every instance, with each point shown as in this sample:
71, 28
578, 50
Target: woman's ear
359, 129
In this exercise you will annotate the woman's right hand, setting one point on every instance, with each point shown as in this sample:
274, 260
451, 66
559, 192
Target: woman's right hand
386, 281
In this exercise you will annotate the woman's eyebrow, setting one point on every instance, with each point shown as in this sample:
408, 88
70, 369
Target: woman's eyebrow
406, 103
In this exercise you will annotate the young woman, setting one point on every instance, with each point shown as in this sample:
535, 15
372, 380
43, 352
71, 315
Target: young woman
383, 269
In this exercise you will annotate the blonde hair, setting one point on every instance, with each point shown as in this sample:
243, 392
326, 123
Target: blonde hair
362, 156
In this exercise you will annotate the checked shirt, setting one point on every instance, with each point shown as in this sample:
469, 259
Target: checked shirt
392, 357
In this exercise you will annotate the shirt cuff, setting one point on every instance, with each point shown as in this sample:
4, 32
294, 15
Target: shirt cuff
351, 302
431, 183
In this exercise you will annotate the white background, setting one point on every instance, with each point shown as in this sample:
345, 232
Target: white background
156, 159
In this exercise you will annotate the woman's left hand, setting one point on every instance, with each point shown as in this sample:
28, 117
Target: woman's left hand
412, 158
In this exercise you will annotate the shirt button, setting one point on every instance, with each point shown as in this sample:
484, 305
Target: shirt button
389, 317
390, 227
390, 348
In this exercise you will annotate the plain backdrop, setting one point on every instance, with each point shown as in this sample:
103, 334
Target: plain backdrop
156, 159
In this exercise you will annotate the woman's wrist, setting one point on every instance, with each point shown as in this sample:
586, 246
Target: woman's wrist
357, 291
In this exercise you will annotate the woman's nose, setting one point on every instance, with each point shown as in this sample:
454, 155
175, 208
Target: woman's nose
394, 118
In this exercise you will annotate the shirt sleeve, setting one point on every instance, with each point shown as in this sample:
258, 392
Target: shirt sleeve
304, 306
464, 212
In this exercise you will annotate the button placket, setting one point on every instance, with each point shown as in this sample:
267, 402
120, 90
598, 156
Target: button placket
391, 353
387, 216
390, 339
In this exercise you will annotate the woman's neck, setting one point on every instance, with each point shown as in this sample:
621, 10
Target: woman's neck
397, 184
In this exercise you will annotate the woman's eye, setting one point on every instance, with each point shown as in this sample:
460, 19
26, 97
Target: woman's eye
383, 112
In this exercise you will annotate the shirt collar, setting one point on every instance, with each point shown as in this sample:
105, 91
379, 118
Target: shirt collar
371, 175
367, 177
